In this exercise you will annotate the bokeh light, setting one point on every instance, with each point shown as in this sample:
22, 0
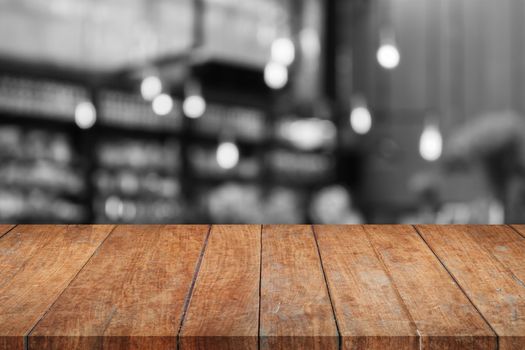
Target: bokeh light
388, 56
431, 143
361, 120
283, 51
275, 75
227, 155
194, 106
85, 115
162, 104
150, 87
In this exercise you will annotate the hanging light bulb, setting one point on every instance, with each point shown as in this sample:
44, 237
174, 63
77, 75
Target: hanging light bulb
275, 75
85, 115
227, 155
431, 143
194, 104
360, 117
162, 104
388, 54
150, 87
283, 51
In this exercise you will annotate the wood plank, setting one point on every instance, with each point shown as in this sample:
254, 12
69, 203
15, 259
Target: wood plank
497, 293
520, 229
370, 313
444, 317
36, 263
4, 228
130, 295
224, 308
503, 243
296, 312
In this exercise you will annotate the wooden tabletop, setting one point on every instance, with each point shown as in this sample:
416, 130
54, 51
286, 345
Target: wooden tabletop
270, 287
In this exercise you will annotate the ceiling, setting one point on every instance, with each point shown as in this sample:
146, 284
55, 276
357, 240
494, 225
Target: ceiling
93, 34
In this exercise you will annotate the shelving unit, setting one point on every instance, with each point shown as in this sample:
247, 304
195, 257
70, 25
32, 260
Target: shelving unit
42, 173
133, 160
135, 166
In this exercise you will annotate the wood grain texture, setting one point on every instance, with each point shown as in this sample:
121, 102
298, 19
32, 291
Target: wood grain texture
130, 295
443, 315
36, 263
296, 312
272, 287
224, 307
370, 313
520, 229
503, 243
478, 259
4, 228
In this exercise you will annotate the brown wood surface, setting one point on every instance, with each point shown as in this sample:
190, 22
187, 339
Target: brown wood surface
520, 229
484, 261
504, 244
271, 287
131, 295
224, 308
296, 312
37, 262
369, 310
4, 229
443, 315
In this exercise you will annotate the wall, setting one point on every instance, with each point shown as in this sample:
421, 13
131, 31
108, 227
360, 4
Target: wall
458, 59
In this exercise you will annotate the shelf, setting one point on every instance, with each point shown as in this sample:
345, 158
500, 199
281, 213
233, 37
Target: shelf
236, 95
128, 110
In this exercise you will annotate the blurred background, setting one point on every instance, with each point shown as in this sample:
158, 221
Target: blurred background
262, 111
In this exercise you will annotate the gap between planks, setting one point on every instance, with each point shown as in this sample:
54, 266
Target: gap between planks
260, 288
521, 234
512, 227
339, 337
9, 229
458, 285
192, 285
